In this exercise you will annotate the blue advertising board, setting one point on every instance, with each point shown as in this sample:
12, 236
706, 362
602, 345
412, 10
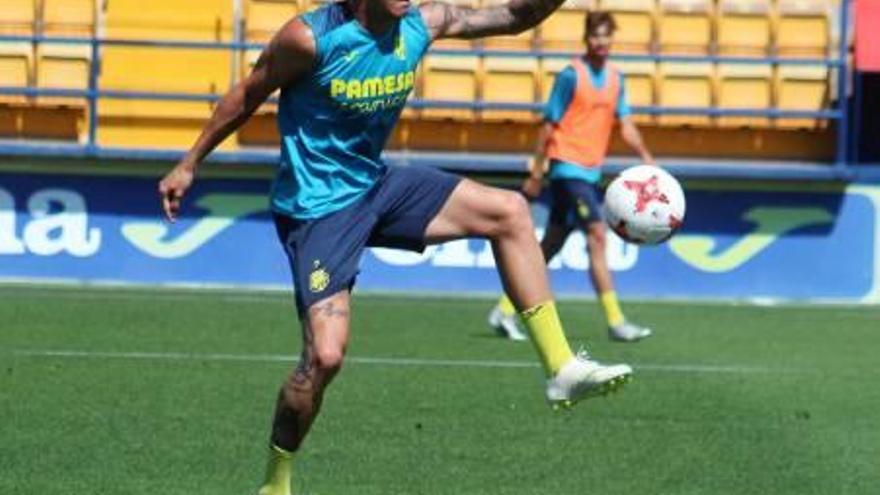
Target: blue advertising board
738, 242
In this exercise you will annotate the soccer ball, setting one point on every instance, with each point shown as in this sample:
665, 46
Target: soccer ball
644, 205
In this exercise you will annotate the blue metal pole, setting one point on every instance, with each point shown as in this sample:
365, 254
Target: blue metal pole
842, 72
91, 144
854, 142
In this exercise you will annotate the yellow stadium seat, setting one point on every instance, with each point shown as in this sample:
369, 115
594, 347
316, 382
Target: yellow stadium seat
167, 70
639, 78
152, 124
17, 17
69, 18
564, 29
159, 123
550, 68
524, 41
162, 123
149, 124
450, 78
509, 80
744, 86
635, 24
685, 85
196, 20
685, 26
743, 27
802, 28
457, 44
16, 69
63, 67
264, 17
801, 88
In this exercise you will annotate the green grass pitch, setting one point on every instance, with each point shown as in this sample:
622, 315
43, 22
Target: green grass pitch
130, 392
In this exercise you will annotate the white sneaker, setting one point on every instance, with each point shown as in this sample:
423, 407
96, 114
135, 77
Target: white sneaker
506, 326
629, 332
581, 378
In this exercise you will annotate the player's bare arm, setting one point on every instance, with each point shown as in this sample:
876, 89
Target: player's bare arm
454, 21
538, 164
633, 138
289, 55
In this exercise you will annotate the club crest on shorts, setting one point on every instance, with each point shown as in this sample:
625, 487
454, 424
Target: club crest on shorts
583, 210
319, 279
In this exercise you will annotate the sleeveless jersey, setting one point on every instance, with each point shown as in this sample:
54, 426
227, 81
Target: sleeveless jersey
335, 121
583, 134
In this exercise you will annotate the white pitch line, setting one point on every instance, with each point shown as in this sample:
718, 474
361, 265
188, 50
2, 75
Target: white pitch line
63, 289
382, 361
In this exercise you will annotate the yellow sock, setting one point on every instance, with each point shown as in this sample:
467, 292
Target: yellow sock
278, 471
546, 332
506, 306
612, 308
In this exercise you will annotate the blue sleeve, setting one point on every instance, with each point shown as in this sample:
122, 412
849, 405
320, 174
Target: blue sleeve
623, 109
561, 95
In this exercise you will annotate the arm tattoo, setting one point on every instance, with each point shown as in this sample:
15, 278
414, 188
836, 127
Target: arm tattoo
451, 21
532, 12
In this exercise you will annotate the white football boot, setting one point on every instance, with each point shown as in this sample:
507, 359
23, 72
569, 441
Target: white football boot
581, 378
629, 332
506, 326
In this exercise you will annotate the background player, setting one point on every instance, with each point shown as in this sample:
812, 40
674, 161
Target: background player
345, 71
579, 117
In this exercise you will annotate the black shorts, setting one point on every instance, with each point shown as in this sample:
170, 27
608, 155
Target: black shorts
325, 252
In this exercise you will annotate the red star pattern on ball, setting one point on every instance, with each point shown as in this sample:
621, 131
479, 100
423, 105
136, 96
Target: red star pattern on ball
646, 192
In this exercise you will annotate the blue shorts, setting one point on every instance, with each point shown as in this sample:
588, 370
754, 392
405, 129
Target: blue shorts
325, 252
576, 203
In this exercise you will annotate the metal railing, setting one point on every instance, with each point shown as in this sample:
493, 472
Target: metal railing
93, 93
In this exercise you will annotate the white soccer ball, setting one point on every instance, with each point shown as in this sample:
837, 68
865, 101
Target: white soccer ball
644, 205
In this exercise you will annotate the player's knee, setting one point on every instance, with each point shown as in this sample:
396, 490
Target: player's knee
516, 216
328, 359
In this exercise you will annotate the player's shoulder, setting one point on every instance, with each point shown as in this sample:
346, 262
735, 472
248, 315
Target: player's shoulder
568, 74
327, 18
415, 21
294, 38
433, 12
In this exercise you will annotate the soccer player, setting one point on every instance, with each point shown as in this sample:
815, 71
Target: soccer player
578, 120
345, 71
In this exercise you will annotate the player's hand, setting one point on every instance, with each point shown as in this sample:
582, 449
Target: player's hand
532, 187
173, 187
